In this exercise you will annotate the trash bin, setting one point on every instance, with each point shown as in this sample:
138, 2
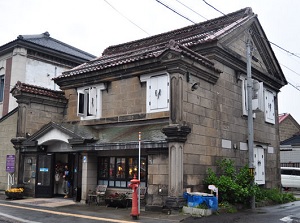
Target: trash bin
77, 194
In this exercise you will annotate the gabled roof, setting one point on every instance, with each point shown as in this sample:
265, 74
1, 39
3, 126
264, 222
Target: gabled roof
213, 38
154, 46
77, 133
46, 42
207, 31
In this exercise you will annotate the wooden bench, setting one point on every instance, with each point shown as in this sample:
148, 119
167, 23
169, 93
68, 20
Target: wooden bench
97, 195
143, 192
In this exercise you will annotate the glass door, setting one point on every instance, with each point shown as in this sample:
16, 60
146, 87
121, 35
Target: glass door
44, 180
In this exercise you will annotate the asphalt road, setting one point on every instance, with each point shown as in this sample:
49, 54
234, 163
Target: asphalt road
13, 212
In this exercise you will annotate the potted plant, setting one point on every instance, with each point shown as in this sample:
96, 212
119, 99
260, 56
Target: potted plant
116, 200
15, 193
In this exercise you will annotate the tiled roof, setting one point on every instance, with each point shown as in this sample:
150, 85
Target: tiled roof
154, 46
46, 42
22, 87
151, 52
190, 35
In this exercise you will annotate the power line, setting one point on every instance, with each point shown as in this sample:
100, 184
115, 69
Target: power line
257, 34
287, 51
290, 69
126, 17
173, 10
293, 86
191, 10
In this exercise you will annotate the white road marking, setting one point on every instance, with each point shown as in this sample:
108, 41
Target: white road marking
17, 219
69, 214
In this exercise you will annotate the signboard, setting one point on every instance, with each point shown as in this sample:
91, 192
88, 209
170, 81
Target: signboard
44, 169
10, 163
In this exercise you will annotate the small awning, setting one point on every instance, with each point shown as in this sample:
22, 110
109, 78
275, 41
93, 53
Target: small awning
127, 137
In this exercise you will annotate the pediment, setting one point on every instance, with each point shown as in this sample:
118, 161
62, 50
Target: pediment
265, 66
65, 132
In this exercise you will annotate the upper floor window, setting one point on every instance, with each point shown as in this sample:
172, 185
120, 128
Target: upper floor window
158, 92
262, 100
89, 103
1, 88
269, 107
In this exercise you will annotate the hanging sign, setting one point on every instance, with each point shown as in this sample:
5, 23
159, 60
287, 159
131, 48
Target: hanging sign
10, 163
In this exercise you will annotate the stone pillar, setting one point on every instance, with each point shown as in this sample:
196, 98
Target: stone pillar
89, 174
176, 169
17, 142
176, 137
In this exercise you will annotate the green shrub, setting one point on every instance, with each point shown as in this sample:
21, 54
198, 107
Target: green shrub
274, 195
237, 187
234, 187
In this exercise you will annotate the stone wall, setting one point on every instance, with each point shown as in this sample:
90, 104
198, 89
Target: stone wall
8, 129
124, 100
38, 115
214, 113
158, 178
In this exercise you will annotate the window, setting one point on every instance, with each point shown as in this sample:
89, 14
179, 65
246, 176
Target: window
1, 88
90, 101
158, 91
269, 107
118, 171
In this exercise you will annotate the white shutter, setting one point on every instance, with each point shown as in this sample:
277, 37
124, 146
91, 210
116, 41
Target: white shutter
162, 92
269, 107
153, 93
259, 163
93, 100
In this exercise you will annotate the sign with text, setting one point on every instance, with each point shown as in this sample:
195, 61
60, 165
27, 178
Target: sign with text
10, 163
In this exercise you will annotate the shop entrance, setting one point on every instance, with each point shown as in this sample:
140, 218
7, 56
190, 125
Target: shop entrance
72, 160
50, 172
44, 179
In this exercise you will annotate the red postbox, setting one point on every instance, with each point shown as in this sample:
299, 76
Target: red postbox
134, 184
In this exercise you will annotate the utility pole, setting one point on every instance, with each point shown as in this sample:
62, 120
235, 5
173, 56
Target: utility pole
250, 113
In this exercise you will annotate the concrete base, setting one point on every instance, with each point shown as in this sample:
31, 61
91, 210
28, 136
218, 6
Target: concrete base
175, 203
196, 211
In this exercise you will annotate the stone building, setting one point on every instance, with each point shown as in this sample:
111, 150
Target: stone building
32, 59
289, 131
185, 92
288, 126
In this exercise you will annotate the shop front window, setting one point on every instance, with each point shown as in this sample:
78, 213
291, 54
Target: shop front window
121, 171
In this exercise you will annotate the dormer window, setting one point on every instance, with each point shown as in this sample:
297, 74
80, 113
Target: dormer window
158, 92
89, 104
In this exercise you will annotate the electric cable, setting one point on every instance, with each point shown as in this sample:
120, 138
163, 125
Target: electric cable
126, 17
191, 9
173, 10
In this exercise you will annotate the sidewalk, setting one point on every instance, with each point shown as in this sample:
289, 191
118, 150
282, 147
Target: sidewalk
70, 206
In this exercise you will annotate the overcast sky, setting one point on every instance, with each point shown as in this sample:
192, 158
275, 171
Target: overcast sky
93, 25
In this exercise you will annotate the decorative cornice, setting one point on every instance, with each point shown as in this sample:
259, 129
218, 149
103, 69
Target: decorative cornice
176, 133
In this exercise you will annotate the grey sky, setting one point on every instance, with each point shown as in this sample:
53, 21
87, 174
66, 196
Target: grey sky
94, 25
